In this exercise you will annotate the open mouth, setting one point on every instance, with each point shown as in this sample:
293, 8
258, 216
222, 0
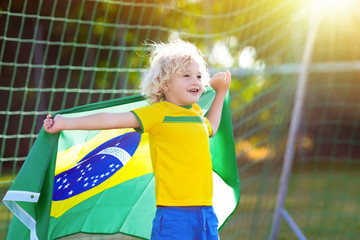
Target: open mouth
193, 90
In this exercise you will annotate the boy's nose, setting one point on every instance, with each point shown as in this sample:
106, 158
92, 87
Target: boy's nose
195, 80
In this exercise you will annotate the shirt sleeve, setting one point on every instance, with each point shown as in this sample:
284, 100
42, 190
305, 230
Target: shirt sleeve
208, 125
150, 118
207, 122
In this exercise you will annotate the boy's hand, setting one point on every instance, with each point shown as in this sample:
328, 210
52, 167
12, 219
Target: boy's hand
220, 82
53, 125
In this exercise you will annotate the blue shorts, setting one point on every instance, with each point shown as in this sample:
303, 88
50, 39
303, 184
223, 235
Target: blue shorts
185, 223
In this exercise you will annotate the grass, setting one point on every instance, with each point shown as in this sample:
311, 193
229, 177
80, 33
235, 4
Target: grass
324, 201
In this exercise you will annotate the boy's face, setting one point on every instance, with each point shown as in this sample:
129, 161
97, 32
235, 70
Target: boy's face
185, 88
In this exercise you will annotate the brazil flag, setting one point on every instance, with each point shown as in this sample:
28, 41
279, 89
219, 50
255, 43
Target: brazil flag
101, 182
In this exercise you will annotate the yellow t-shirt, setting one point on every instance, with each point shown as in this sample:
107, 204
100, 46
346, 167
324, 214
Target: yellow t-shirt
180, 154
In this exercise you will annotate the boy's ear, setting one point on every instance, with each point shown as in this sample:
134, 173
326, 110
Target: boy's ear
165, 87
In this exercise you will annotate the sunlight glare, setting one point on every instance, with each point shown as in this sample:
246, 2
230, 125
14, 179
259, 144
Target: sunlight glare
220, 55
332, 7
247, 57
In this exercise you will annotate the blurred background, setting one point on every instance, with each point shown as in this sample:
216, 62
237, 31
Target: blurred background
58, 54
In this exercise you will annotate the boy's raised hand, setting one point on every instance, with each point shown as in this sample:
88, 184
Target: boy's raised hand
220, 82
52, 125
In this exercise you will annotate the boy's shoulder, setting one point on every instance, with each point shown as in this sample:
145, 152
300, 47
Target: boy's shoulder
159, 106
196, 107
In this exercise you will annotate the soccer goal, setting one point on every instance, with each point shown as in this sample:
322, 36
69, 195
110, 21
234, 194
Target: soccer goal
295, 89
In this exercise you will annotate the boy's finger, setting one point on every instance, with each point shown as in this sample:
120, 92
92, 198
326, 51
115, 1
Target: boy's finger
228, 75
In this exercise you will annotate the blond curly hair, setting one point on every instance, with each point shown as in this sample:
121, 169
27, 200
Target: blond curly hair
167, 60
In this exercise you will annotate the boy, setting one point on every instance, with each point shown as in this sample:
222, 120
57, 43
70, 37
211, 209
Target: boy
178, 138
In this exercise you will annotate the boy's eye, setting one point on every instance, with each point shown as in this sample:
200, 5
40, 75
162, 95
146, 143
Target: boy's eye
199, 76
186, 75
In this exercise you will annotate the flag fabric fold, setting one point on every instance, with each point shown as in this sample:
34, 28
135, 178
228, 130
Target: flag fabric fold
101, 182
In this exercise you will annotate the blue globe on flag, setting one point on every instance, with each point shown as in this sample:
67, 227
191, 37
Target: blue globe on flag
96, 167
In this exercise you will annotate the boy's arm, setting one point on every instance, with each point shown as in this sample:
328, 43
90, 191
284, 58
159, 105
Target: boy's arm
220, 82
97, 121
